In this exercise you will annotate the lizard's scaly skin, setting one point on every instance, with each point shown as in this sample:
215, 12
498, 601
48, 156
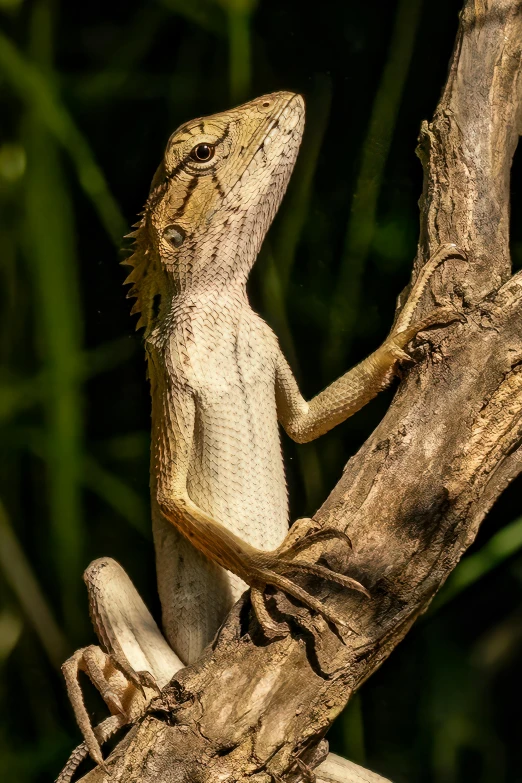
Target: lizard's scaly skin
219, 380
219, 385
212, 360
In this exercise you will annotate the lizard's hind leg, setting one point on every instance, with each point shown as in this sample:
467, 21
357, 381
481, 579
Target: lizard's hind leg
136, 660
111, 684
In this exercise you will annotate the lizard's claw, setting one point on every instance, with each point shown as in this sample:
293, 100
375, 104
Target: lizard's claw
271, 628
404, 330
114, 678
92, 661
441, 316
148, 681
325, 534
399, 338
308, 775
327, 573
269, 568
140, 679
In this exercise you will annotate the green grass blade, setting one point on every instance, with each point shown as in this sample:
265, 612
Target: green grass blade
20, 576
50, 251
11, 627
39, 95
296, 205
240, 65
504, 544
361, 224
117, 495
353, 730
239, 17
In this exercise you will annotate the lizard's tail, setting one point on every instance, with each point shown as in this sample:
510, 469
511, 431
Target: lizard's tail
103, 732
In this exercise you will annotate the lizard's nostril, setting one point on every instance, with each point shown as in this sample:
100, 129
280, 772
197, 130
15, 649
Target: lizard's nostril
266, 104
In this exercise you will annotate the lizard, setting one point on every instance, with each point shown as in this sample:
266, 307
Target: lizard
220, 387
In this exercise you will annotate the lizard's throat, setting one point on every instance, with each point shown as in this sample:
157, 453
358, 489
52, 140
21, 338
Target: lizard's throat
221, 259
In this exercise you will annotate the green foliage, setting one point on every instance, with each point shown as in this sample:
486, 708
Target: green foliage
503, 545
32, 86
362, 221
89, 95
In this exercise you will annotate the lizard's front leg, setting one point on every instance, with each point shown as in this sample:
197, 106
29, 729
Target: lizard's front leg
304, 421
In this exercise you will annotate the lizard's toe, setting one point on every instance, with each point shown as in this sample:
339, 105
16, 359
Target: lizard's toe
113, 701
271, 628
71, 669
326, 534
148, 681
273, 575
328, 574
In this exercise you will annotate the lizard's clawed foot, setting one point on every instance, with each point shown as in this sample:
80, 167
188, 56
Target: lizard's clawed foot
140, 679
271, 628
404, 330
116, 681
308, 775
305, 772
399, 338
270, 568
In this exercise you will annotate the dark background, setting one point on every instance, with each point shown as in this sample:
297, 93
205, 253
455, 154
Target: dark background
89, 94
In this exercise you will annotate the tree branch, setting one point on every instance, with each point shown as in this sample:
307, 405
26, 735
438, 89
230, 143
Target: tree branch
413, 497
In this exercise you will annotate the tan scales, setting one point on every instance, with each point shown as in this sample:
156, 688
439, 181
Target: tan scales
220, 385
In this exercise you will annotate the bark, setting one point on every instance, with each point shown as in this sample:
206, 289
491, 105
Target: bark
413, 497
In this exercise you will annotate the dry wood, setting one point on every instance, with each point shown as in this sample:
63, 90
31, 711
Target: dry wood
413, 497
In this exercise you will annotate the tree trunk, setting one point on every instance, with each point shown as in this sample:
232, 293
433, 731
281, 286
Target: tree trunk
413, 497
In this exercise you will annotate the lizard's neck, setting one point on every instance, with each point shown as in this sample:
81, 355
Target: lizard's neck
219, 258
205, 308
195, 302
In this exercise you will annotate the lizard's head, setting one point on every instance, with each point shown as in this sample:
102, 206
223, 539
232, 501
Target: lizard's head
212, 200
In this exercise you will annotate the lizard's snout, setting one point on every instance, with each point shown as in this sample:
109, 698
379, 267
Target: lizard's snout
281, 105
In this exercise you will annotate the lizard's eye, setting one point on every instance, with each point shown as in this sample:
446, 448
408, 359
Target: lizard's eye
203, 152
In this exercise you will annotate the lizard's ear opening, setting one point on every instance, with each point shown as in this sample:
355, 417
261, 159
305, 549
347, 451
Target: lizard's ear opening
174, 235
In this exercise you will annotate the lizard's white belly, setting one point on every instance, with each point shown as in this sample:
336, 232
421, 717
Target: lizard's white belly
236, 469
236, 474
